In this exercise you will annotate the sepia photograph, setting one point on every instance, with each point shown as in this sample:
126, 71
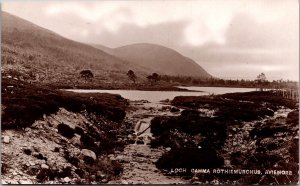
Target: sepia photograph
202, 92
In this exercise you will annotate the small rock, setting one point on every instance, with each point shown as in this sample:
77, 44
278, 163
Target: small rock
104, 181
31, 163
88, 153
168, 148
124, 182
93, 177
227, 163
119, 157
6, 139
27, 182
67, 179
76, 140
14, 173
112, 158
100, 174
130, 136
195, 178
44, 166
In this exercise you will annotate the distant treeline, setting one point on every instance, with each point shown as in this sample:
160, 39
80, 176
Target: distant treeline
192, 81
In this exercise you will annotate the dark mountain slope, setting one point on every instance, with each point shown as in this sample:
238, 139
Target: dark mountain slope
159, 59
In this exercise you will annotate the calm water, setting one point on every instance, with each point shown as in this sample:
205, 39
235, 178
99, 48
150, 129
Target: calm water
219, 90
156, 96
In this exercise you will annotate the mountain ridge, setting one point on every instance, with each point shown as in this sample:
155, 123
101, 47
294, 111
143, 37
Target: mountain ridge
158, 58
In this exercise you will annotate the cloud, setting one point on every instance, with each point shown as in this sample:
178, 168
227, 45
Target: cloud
237, 38
246, 32
167, 34
250, 47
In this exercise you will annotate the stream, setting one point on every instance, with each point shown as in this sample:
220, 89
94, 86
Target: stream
138, 158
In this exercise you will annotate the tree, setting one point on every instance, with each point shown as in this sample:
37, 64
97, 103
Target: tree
261, 80
153, 78
87, 74
131, 76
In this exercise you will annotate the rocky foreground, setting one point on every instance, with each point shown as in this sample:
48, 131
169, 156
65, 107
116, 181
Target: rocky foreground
54, 137
255, 131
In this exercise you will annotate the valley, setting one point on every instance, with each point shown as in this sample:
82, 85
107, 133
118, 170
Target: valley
141, 113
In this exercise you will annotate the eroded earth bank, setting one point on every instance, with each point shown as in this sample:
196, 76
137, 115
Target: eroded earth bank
50, 136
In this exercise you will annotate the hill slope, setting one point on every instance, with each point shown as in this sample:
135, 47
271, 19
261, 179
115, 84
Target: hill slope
159, 59
48, 57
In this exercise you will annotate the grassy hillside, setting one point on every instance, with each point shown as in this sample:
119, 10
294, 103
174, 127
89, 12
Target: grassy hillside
42, 55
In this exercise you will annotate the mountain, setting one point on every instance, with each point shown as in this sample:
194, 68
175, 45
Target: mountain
158, 58
48, 56
103, 48
40, 55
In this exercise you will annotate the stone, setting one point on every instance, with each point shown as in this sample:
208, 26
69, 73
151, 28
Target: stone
76, 140
66, 179
130, 136
104, 181
27, 182
124, 182
31, 163
100, 174
44, 166
88, 154
92, 177
120, 157
227, 163
168, 148
6, 139
112, 158
14, 173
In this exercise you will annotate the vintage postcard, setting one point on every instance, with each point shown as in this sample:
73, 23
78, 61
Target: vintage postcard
150, 92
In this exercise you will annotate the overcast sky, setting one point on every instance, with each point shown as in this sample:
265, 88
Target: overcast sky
229, 38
